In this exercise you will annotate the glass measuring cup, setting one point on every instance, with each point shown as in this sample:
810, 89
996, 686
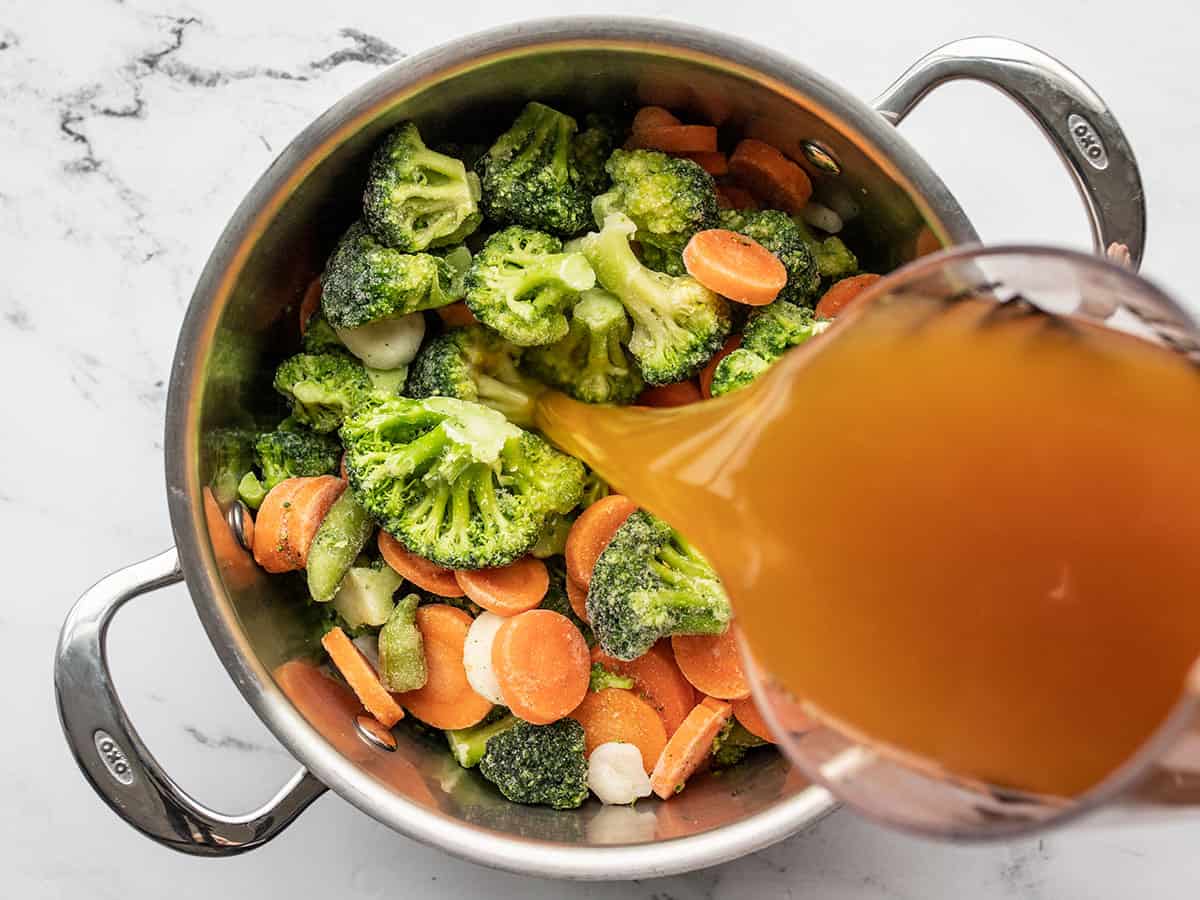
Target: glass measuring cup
914, 793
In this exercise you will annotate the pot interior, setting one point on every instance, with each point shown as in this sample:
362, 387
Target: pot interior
252, 289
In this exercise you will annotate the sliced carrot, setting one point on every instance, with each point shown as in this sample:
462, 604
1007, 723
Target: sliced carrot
590, 534
770, 175
730, 196
234, 561
706, 374
418, 569
361, 677
676, 139
657, 680
542, 665
735, 266
310, 304
662, 396
457, 315
288, 520
842, 293
507, 590
619, 715
447, 700
712, 663
689, 746
577, 596
746, 712
714, 163
652, 117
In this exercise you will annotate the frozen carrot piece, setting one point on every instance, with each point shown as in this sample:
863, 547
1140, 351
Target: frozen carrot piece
689, 746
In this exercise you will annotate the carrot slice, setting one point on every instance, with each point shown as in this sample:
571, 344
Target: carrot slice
577, 596
590, 534
457, 315
288, 520
736, 266
676, 138
706, 374
447, 700
619, 715
662, 396
362, 678
418, 569
714, 163
689, 746
507, 590
730, 196
310, 303
842, 293
542, 664
746, 712
652, 117
657, 680
712, 663
769, 174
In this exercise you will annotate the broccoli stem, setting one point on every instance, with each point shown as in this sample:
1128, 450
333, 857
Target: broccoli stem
468, 744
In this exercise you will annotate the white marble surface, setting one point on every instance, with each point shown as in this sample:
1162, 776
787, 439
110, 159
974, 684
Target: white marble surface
128, 133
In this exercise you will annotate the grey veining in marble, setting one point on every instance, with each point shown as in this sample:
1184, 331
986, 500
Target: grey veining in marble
130, 130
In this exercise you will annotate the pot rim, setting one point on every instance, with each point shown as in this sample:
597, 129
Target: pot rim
851, 116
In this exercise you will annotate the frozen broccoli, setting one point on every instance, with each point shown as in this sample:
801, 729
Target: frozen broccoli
592, 148
769, 333
530, 177
322, 387
365, 281
455, 481
230, 455
594, 488
591, 363
732, 744
678, 323
474, 363
834, 259
780, 234
521, 282
668, 198
539, 764
650, 583
416, 197
468, 744
601, 679
319, 336
553, 539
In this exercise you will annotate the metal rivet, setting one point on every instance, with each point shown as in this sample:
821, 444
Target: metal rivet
375, 734
235, 516
821, 157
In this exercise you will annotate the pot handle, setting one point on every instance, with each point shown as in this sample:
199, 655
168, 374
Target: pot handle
113, 757
1077, 122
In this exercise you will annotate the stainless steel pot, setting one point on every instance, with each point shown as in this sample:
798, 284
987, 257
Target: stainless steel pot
240, 319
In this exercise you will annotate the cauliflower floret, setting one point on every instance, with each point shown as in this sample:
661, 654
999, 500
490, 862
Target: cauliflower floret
616, 774
477, 657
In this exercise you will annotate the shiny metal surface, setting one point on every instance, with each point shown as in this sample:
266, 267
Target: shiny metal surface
113, 757
1072, 116
243, 316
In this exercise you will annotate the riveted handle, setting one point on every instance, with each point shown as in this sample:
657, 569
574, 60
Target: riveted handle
1072, 116
113, 757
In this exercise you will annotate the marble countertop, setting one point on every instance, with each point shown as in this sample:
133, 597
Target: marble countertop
130, 130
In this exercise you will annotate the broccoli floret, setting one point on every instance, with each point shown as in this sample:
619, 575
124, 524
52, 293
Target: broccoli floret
402, 649
770, 332
590, 363
474, 363
529, 174
469, 744
539, 764
601, 679
780, 234
230, 454
291, 451
668, 198
416, 197
592, 148
365, 281
594, 488
455, 481
553, 539
732, 744
319, 336
650, 583
557, 600
678, 323
834, 259
322, 387
520, 283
